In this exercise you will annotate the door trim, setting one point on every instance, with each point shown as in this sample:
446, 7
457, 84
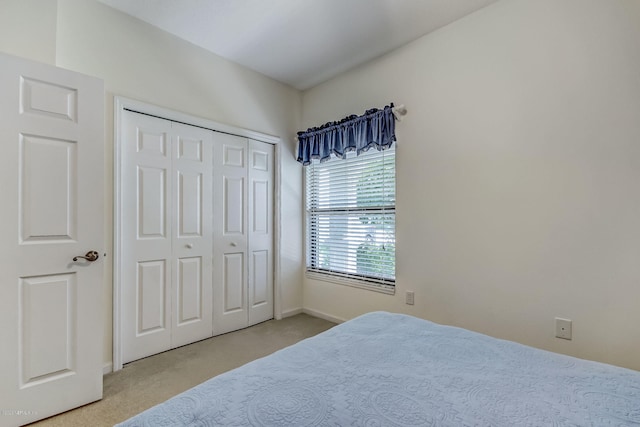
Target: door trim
122, 104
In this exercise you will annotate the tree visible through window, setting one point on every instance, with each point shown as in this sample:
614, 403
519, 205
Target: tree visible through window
351, 217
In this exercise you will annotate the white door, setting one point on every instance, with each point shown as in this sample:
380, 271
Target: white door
51, 210
243, 232
146, 236
166, 235
260, 246
192, 255
230, 266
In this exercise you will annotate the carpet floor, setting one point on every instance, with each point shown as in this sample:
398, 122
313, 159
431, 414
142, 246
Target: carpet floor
147, 382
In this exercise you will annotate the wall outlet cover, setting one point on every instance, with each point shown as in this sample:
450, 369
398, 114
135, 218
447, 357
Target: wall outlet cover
563, 328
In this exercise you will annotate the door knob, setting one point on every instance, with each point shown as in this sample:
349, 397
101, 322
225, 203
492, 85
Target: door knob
89, 256
233, 244
189, 246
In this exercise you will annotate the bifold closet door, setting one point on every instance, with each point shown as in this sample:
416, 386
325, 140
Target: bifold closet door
166, 235
192, 253
243, 236
261, 177
230, 233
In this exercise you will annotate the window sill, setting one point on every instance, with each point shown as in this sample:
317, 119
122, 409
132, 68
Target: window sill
349, 281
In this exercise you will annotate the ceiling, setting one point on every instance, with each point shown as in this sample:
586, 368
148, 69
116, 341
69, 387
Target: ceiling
299, 42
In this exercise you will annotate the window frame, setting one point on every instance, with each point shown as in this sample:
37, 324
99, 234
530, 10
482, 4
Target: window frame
386, 286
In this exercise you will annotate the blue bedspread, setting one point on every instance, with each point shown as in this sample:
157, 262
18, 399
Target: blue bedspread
384, 369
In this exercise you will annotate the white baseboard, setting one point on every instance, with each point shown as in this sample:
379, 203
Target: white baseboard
314, 313
292, 312
321, 315
107, 368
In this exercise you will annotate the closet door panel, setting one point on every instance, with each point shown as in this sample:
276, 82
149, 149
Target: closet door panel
261, 176
259, 279
190, 204
230, 298
189, 290
260, 198
233, 204
151, 296
146, 232
233, 278
192, 310
152, 202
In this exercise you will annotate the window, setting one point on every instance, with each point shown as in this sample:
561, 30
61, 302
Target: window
351, 219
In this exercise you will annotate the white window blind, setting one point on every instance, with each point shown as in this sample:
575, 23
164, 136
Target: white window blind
351, 218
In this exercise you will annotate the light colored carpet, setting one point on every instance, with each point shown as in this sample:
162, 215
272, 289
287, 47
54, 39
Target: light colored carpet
147, 382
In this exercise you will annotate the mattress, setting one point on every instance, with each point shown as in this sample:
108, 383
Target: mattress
384, 369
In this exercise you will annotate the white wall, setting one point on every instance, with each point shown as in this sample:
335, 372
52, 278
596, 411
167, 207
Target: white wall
28, 29
138, 61
518, 171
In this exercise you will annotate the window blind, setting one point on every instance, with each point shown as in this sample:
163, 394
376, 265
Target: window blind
350, 207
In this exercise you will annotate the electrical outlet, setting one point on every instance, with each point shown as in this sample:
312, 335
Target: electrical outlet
563, 328
409, 297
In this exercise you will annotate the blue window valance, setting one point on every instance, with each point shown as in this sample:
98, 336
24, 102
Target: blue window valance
375, 128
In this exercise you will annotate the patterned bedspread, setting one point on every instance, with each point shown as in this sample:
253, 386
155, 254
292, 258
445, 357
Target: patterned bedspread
384, 369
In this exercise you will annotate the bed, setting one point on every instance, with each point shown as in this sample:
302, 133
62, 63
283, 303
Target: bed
384, 369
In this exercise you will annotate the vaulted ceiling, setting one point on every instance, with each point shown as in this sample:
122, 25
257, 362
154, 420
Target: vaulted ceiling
299, 42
